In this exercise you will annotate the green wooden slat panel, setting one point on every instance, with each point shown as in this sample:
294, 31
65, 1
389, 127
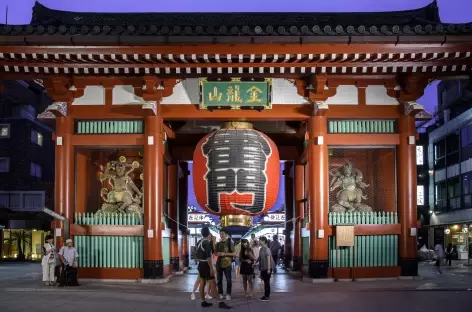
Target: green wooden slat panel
110, 127
306, 249
166, 250
369, 251
110, 251
361, 126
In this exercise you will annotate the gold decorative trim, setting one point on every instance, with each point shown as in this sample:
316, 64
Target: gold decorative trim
236, 125
236, 220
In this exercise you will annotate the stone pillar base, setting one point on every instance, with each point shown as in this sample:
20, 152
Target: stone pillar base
297, 263
153, 269
318, 268
409, 267
175, 265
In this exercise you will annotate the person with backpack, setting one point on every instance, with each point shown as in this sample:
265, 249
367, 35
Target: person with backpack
225, 252
206, 271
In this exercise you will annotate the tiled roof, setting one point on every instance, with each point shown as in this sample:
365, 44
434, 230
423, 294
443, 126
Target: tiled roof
423, 21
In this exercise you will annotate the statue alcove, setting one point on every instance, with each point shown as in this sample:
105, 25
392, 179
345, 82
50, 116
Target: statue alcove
375, 167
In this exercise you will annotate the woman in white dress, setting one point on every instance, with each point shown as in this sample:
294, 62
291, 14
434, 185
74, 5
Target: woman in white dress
49, 261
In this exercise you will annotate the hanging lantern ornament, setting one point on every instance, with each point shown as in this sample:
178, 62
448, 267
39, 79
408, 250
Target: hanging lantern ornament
236, 170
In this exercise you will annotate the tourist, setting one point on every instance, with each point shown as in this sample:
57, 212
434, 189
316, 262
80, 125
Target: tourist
253, 240
439, 250
48, 262
237, 260
274, 250
206, 270
449, 253
255, 250
225, 252
247, 258
197, 281
69, 259
266, 264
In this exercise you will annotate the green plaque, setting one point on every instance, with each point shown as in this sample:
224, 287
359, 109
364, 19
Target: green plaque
235, 94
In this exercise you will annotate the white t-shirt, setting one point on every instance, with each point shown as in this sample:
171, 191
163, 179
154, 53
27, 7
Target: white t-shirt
439, 251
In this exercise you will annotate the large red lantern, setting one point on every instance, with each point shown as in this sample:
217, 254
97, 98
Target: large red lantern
236, 170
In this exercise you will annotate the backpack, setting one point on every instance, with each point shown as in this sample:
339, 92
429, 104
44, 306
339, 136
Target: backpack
200, 250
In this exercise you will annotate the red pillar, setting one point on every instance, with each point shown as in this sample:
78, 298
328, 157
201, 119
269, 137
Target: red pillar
64, 175
318, 196
172, 213
406, 187
288, 213
153, 197
299, 211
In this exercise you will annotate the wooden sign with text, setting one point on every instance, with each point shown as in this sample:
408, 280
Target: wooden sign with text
345, 236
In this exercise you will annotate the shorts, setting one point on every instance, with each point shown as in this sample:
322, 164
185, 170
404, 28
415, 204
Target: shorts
237, 262
204, 271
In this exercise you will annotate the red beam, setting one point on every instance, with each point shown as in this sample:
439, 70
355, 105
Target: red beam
103, 230
362, 139
108, 140
272, 48
278, 112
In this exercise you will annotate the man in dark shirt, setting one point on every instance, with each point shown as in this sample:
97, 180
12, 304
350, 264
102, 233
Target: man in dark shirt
206, 269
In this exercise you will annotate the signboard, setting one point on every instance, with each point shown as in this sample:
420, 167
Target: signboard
235, 94
197, 218
344, 236
275, 217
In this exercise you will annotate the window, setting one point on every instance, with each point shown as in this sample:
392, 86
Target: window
454, 193
419, 155
4, 164
4, 131
467, 189
420, 195
35, 170
36, 137
440, 155
440, 194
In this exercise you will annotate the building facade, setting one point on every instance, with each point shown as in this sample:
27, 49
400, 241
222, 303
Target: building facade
336, 93
26, 167
450, 167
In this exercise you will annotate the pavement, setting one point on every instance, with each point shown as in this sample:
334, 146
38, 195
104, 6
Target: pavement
21, 289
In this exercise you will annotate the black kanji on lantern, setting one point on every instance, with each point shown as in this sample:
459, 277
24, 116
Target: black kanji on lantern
236, 162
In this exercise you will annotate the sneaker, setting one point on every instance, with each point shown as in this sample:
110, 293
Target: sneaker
224, 306
264, 298
192, 296
208, 297
206, 304
228, 297
222, 297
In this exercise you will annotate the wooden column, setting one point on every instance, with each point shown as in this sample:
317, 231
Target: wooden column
406, 190
83, 181
288, 213
153, 197
318, 196
173, 216
64, 175
183, 213
299, 214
